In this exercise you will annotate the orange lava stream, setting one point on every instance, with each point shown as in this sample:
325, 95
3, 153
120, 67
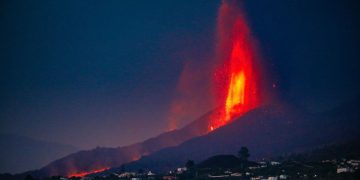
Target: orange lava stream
82, 174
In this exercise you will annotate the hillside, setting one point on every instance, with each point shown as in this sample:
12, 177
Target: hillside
99, 158
225, 161
267, 131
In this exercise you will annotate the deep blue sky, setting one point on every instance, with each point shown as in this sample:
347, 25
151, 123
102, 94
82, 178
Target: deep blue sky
104, 73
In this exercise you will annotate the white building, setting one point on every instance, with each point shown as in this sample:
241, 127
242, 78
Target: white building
126, 175
236, 174
218, 176
272, 178
254, 167
343, 170
181, 170
354, 162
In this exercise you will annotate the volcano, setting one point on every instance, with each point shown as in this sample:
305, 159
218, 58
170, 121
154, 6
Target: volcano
268, 131
236, 85
242, 117
99, 159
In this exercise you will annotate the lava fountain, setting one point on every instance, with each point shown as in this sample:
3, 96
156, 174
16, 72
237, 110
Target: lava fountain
237, 75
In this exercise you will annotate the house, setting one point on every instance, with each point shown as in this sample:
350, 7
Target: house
354, 162
181, 170
343, 170
126, 175
236, 174
151, 173
218, 176
272, 178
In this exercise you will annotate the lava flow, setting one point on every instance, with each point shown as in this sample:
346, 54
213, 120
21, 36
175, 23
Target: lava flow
82, 174
237, 78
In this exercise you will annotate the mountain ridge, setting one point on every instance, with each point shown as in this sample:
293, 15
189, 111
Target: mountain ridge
101, 157
266, 131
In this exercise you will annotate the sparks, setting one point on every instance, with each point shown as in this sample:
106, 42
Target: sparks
238, 88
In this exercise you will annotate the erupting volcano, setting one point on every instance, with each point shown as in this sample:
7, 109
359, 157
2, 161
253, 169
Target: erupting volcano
236, 79
236, 88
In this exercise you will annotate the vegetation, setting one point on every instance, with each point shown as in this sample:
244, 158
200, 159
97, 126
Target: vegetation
244, 154
190, 164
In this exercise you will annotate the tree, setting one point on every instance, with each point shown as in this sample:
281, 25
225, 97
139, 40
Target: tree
123, 168
29, 177
189, 164
244, 154
141, 171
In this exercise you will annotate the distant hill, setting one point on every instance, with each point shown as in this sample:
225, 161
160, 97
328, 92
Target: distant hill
224, 161
19, 153
348, 150
99, 158
267, 132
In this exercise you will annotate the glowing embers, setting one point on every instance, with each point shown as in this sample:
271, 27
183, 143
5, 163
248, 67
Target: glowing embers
82, 174
238, 85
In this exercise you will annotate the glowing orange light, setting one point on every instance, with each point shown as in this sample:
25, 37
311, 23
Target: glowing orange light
238, 84
82, 174
236, 93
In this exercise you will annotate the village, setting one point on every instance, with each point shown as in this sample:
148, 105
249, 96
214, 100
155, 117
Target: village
263, 170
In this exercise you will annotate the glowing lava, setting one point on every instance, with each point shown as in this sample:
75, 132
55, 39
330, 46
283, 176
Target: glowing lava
236, 93
82, 174
237, 77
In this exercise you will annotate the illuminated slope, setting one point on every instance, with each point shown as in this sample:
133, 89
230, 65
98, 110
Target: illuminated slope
96, 160
82, 174
268, 131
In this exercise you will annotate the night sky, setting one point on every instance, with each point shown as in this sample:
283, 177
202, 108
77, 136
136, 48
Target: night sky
106, 73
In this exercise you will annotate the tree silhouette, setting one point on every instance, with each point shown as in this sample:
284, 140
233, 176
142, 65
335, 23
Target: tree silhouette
189, 164
29, 177
244, 154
